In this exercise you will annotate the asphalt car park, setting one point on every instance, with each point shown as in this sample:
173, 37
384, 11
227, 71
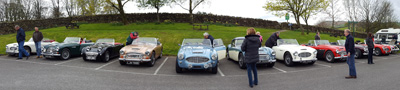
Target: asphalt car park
164, 71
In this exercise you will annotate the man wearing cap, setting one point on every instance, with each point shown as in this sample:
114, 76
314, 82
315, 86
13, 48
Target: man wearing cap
132, 36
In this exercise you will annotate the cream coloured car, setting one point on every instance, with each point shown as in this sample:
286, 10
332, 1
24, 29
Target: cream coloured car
290, 51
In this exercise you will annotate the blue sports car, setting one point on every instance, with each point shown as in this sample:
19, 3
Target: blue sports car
198, 54
234, 52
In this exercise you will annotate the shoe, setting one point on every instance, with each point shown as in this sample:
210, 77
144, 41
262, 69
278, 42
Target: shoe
37, 57
351, 77
251, 86
40, 56
19, 58
27, 57
372, 63
256, 84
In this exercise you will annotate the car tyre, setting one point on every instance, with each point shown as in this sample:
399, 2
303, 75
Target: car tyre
270, 65
358, 54
329, 56
177, 68
242, 65
214, 70
378, 52
84, 58
288, 60
106, 56
152, 60
65, 54
122, 62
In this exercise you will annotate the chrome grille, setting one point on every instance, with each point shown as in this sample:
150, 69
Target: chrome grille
197, 59
342, 53
304, 54
263, 57
13, 48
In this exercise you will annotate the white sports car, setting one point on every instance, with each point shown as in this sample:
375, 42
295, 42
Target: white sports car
12, 49
290, 51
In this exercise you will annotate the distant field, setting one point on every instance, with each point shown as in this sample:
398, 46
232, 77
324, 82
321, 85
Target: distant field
170, 34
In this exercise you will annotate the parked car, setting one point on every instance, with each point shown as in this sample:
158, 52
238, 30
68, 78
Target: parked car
142, 50
380, 49
234, 52
12, 49
102, 50
290, 51
361, 50
197, 54
71, 46
327, 51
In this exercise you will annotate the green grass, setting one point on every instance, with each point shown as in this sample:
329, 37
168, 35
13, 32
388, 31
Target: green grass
170, 34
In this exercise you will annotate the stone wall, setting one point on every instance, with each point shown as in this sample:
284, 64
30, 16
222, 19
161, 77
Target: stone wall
6, 28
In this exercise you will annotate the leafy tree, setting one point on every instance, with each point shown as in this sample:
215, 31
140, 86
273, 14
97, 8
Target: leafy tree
157, 4
120, 7
333, 11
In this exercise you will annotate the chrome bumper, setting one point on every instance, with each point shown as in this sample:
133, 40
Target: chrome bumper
266, 61
305, 60
135, 60
342, 57
50, 54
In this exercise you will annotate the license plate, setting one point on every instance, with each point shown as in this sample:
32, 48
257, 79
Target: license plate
48, 56
134, 63
90, 58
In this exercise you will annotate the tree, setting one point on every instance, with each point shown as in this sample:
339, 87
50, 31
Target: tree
69, 7
38, 9
314, 7
157, 4
192, 6
120, 7
296, 7
351, 10
56, 12
333, 11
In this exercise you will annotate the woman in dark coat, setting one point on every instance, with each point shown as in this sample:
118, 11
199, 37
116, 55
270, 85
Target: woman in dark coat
250, 46
370, 44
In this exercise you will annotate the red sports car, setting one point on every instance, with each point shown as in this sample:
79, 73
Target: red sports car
327, 51
381, 49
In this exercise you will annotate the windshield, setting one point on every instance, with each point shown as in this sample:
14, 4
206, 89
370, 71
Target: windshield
218, 42
72, 40
238, 43
109, 41
287, 42
322, 42
341, 42
205, 42
30, 40
145, 40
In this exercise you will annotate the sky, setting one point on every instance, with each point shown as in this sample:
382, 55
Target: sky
239, 8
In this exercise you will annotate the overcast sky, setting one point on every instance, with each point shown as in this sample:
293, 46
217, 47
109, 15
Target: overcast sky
239, 8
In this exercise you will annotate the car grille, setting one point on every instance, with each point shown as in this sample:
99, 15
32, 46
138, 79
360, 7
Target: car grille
134, 55
305, 54
263, 57
342, 53
197, 59
385, 49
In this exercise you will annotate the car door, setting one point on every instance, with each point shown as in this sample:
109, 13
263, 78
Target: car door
279, 51
220, 48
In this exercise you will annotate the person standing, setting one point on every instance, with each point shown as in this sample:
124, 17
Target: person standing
349, 45
37, 38
395, 39
208, 36
317, 37
272, 40
250, 45
132, 36
21, 41
259, 34
370, 43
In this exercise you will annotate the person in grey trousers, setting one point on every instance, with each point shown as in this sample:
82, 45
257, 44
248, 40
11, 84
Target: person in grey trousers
37, 38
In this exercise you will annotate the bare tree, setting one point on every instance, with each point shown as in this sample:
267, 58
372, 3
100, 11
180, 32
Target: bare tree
56, 12
367, 12
351, 9
193, 4
333, 11
38, 9
120, 7
69, 7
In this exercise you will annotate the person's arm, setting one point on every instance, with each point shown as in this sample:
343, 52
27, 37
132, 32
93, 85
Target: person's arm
244, 45
41, 36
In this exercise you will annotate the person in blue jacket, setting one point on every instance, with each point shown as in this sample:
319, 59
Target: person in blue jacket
21, 41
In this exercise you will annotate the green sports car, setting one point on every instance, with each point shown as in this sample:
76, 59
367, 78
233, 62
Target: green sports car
72, 46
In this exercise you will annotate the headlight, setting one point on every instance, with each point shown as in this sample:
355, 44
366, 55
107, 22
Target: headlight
180, 56
57, 48
337, 51
147, 53
295, 53
6, 47
273, 53
87, 49
99, 49
214, 56
315, 52
121, 52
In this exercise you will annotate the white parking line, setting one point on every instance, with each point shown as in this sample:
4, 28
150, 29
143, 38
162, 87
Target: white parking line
66, 61
159, 67
220, 72
105, 65
322, 65
279, 69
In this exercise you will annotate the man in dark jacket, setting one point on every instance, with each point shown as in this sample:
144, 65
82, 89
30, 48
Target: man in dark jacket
370, 44
250, 46
208, 36
317, 37
21, 41
132, 36
272, 40
37, 38
395, 38
349, 45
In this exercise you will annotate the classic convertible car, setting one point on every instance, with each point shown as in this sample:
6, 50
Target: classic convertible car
290, 51
197, 54
12, 49
72, 46
361, 50
380, 49
234, 52
103, 50
327, 51
142, 50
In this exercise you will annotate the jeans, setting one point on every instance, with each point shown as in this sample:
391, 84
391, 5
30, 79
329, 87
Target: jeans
38, 48
252, 67
21, 49
352, 67
370, 54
